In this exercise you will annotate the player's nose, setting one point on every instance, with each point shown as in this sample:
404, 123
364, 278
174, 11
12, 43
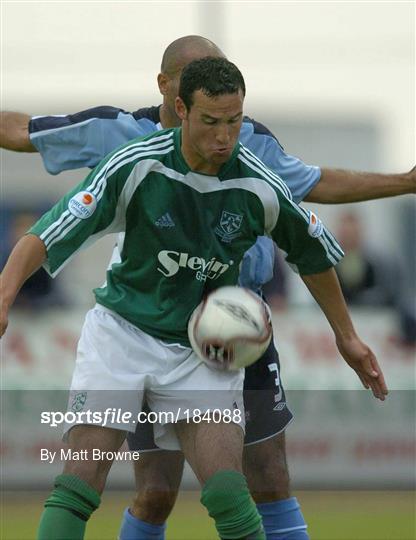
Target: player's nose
222, 135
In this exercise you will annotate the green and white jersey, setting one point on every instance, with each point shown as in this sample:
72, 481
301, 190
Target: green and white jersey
185, 232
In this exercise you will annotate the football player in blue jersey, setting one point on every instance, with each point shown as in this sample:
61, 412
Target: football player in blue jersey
83, 139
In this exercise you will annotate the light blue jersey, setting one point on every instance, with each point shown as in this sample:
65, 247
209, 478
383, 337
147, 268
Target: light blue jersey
83, 139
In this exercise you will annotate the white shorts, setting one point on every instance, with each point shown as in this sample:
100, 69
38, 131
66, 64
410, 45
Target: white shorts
117, 364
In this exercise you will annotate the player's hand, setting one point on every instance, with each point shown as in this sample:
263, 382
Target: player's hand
362, 360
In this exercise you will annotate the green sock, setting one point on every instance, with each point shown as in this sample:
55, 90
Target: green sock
68, 509
229, 503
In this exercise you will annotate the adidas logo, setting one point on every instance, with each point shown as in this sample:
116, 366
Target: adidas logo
165, 221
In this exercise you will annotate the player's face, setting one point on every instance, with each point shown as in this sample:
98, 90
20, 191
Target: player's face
210, 129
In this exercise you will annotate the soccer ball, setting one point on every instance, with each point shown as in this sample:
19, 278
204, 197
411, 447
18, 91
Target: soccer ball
230, 329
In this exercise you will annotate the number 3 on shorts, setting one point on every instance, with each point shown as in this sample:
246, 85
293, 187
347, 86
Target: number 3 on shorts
273, 367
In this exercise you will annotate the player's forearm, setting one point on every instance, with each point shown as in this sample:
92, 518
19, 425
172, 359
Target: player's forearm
14, 132
27, 257
326, 290
343, 186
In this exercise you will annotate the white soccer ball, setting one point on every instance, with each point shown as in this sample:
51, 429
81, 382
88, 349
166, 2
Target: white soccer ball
230, 329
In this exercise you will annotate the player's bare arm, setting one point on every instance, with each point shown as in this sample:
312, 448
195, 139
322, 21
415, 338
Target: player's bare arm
27, 257
14, 132
326, 290
343, 186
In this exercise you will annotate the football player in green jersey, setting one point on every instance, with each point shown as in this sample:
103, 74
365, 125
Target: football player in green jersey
197, 172
158, 473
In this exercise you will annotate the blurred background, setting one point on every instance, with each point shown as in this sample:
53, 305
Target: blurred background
335, 82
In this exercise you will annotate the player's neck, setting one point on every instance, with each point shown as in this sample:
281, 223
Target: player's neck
168, 118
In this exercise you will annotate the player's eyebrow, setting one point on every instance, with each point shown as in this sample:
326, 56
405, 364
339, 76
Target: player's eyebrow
206, 116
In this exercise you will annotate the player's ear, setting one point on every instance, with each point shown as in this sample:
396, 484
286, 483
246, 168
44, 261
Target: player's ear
162, 82
180, 108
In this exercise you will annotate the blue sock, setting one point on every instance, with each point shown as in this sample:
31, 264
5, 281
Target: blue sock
133, 528
283, 520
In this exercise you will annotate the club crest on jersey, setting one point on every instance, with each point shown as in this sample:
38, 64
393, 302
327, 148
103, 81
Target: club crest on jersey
82, 205
79, 401
229, 226
315, 227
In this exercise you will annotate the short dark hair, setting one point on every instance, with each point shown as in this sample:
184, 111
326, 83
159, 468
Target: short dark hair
214, 76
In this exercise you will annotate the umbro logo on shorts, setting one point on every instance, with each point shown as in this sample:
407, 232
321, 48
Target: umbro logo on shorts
280, 406
165, 221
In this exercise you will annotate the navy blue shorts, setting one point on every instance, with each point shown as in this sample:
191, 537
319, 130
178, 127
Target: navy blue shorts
264, 401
